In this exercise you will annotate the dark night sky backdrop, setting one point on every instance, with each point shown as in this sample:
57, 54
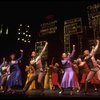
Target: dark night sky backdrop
33, 11
13, 13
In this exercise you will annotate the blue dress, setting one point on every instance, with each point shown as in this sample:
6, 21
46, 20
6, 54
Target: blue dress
15, 78
1, 70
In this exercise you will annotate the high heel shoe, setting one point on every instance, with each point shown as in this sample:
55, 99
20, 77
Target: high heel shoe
71, 92
9, 91
61, 91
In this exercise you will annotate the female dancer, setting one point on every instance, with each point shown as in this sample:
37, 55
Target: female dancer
89, 58
76, 75
39, 71
1, 73
5, 75
47, 78
68, 78
85, 71
15, 75
30, 71
54, 75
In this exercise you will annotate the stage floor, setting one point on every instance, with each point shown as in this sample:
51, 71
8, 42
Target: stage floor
51, 94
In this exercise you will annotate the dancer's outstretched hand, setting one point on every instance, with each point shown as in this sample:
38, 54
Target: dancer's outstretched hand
21, 50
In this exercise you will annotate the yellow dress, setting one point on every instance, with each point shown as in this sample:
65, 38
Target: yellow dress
32, 86
30, 72
47, 80
50, 83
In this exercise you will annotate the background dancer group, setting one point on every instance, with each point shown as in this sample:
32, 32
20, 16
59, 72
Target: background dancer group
65, 75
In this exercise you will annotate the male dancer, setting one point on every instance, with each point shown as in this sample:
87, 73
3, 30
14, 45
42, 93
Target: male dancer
39, 72
92, 63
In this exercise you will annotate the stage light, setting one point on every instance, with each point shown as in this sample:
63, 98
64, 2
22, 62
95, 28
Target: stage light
29, 35
18, 32
26, 35
7, 31
20, 24
23, 33
19, 29
0, 31
18, 39
28, 26
26, 31
28, 41
22, 39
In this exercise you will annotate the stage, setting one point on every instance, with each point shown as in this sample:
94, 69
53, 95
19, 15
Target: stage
51, 94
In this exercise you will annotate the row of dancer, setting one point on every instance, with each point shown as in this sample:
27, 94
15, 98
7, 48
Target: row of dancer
10, 73
70, 77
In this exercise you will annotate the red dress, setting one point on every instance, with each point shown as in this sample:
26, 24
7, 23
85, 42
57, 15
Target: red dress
85, 73
54, 75
86, 70
76, 73
94, 80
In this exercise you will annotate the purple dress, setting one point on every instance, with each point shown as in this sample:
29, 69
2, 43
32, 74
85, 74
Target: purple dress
68, 77
15, 75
